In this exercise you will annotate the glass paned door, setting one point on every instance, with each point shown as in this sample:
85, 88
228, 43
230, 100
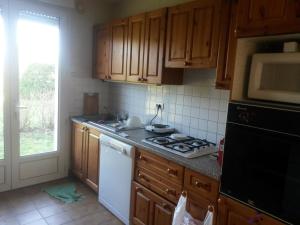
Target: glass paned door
2, 50
38, 51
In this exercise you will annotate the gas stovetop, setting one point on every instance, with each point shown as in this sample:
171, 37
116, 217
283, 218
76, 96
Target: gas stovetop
187, 147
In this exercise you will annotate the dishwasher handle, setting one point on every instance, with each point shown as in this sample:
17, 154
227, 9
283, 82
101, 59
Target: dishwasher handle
117, 148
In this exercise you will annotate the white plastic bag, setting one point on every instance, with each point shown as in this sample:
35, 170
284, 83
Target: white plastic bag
182, 217
209, 218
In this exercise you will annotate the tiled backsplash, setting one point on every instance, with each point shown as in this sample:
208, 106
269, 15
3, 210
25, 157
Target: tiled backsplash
195, 108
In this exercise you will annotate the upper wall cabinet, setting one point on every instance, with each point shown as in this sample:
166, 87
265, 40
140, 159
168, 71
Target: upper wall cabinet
100, 52
267, 17
192, 35
118, 30
146, 45
136, 37
227, 46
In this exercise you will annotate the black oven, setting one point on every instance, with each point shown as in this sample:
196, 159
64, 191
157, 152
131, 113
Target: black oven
261, 166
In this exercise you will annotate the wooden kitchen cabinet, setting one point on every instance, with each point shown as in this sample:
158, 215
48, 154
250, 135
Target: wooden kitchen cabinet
267, 17
85, 154
231, 212
118, 31
146, 45
227, 46
149, 208
136, 38
78, 140
193, 34
202, 193
197, 206
100, 52
91, 172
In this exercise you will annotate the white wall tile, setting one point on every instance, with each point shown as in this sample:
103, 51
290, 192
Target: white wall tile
194, 123
196, 109
212, 126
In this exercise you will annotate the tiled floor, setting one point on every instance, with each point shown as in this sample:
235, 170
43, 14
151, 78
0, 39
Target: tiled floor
31, 206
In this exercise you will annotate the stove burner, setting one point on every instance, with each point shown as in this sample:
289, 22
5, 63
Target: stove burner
161, 140
197, 143
180, 147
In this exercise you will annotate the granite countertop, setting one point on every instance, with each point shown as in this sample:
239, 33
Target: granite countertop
204, 164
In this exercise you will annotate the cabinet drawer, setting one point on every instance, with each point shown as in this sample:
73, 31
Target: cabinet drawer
162, 167
158, 184
201, 184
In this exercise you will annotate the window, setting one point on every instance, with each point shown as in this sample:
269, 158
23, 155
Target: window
38, 51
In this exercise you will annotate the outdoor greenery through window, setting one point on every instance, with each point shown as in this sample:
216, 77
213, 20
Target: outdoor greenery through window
38, 49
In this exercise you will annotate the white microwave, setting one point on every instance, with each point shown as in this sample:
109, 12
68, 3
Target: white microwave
275, 77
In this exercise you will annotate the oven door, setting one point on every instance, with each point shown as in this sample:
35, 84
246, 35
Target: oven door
262, 169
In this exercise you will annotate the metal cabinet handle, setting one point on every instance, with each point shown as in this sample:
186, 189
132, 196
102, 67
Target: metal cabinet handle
143, 177
138, 189
186, 63
165, 205
202, 185
171, 171
142, 158
171, 192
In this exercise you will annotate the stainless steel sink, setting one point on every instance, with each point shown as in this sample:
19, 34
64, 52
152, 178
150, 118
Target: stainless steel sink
113, 126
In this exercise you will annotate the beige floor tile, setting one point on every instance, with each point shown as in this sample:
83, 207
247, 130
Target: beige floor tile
31, 206
38, 222
58, 219
50, 210
29, 217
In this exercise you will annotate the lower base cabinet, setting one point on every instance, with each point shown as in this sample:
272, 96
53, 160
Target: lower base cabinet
85, 154
148, 208
231, 212
197, 206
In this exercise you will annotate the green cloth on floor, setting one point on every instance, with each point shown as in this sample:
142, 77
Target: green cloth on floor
64, 192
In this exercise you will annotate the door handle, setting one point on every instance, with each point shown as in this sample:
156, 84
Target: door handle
21, 107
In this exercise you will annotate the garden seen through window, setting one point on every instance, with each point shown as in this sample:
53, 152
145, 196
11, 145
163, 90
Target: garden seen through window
38, 50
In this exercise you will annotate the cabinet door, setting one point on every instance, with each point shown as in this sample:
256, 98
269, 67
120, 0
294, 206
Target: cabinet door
148, 208
227, 46
92, 159
231, 212
77, 158
179, 18
266, 17
136, 38
197, 206
154, 46
162, 213
203, 34
140, 205
118, 49
100, 67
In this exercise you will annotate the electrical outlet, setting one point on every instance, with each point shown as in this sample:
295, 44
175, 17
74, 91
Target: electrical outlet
160, 106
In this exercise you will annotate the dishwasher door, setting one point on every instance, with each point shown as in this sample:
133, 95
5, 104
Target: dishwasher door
116, 174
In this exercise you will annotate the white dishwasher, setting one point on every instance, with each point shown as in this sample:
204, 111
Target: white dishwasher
116, 174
